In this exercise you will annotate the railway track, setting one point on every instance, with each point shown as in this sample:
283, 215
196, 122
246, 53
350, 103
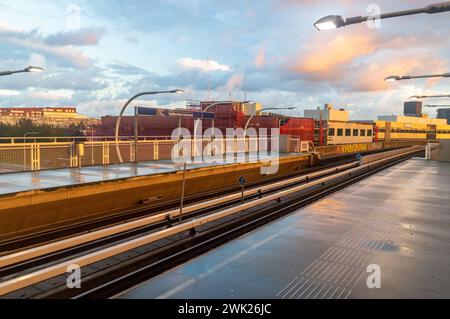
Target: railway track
145, 247
28, 241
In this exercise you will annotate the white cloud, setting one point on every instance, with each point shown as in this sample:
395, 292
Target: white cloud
37, 60
203, 65
51, 95
26, 41
8, 92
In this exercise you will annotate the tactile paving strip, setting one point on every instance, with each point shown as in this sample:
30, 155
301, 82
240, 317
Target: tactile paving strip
337, 272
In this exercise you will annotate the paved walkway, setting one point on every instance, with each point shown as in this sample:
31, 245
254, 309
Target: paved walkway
398, 219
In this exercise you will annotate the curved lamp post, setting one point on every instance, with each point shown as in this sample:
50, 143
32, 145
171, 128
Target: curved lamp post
210, 106
395, 78
33, 69
260, 111
119, 119
336, 21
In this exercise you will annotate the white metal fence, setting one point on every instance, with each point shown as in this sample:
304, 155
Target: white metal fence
33, 154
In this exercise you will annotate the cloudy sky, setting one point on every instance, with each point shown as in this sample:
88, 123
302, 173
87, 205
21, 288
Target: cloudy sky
98, 53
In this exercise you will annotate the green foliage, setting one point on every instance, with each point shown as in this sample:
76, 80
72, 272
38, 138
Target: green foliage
26, 125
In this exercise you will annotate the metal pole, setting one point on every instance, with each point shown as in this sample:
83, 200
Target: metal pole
210, 106
394, 78
92, 144
428, 96
204, 111
11, 72
136, 133
119, 119
26, 70
339, 21
248, 123
183, 191
444, 75
259, 112
24, 148
24, 155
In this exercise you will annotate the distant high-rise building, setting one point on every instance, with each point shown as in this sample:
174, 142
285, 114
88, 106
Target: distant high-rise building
444, 114
413, 109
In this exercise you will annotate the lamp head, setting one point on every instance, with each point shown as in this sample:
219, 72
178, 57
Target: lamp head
329, 23
34, 69
393, 78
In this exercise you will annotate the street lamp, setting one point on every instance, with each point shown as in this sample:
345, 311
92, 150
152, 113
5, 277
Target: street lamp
24, 148
395, 78
32, 69
119, 119
260, 111
183, 187
437, 105
428, 96
205, 110
336, 21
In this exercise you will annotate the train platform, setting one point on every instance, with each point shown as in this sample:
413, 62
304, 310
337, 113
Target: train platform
11, 183
393, 224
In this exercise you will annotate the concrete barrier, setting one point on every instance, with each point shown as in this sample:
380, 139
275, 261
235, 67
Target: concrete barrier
41, 210
440, 152
376, 157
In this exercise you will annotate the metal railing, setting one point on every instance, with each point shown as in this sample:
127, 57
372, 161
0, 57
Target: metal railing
69, 139
43, 153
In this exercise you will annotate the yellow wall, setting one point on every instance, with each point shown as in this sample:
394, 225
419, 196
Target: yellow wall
443, 132
411, 131
335, 140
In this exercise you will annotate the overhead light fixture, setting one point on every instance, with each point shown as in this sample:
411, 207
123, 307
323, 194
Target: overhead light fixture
393, 78
34, 69
329, 23
334, 21
409, 77
428, 96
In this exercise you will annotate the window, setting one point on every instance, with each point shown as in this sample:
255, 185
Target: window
355, 132
363, 133
369, 133
331, 132
348, 132
340, 132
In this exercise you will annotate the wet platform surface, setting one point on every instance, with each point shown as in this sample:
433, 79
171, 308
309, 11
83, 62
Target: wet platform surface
398, 220
27, 181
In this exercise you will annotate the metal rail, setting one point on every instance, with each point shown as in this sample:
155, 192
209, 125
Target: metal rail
61, 268
119, 278
40, 251
42, 238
